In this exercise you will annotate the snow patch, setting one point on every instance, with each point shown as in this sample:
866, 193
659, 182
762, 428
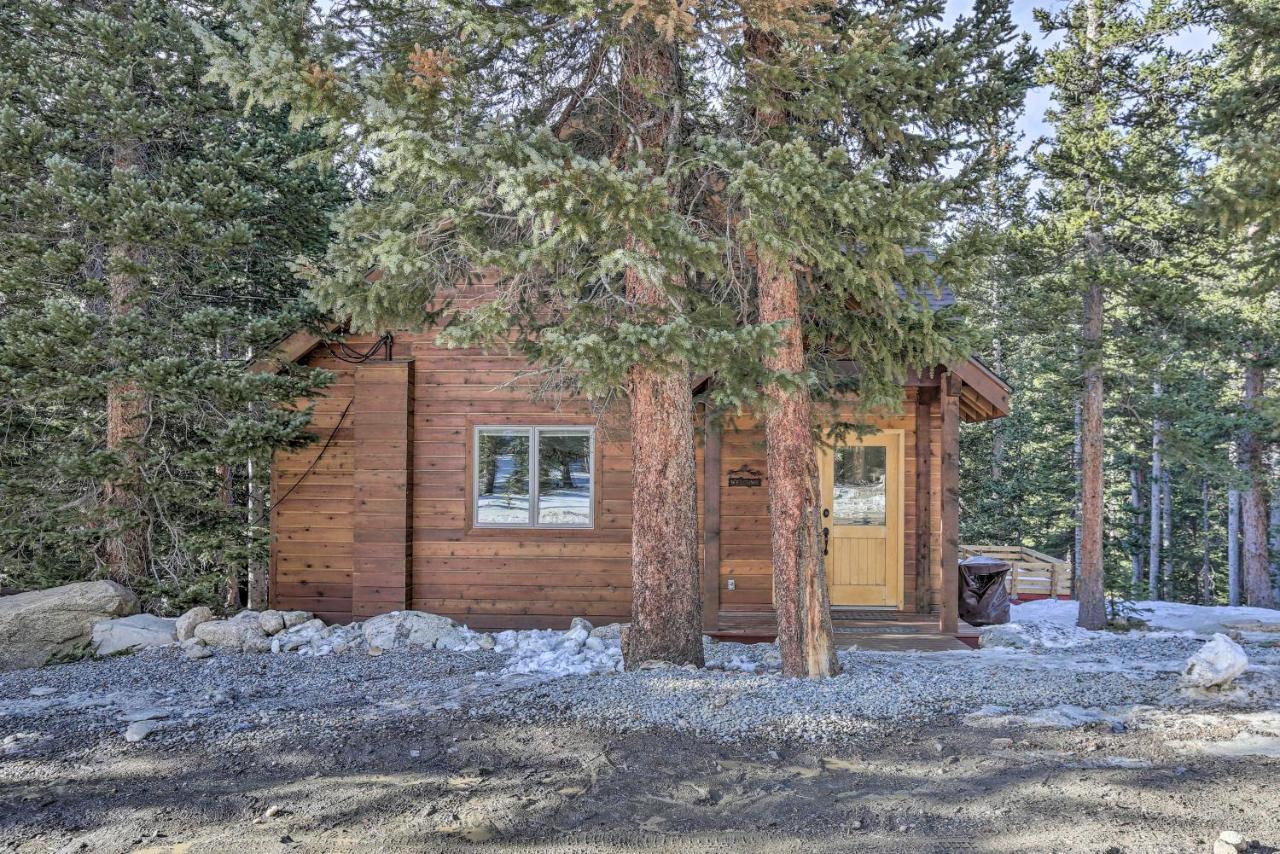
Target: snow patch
551, 653
1065, 716
1036, 636
1163, 616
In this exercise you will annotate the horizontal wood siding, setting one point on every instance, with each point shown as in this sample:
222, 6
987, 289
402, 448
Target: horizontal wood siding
382, 543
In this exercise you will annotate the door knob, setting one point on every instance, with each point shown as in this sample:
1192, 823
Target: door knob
826, 540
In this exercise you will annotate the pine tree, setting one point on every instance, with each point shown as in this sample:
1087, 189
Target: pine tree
144, 252
835, 190
1116, 145
594, 159
1242, 126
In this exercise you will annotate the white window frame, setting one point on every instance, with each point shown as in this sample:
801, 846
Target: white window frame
533, 431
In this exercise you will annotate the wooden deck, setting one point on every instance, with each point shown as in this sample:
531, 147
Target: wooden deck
886, 631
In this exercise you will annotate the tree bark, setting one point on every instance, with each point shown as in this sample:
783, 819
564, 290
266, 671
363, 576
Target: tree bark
1206, 566
1166, 537
801, 599
1258, 591
259, 592
666, 600
1093, 606
125, 547
1153, 534
1233, 547
799, 575
1135, 504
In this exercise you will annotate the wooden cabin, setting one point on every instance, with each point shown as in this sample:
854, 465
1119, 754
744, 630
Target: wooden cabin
436, 483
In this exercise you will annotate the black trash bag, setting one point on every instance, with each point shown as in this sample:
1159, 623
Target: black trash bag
984, 601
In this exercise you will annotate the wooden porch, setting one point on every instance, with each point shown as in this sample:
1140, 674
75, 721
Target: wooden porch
881, 631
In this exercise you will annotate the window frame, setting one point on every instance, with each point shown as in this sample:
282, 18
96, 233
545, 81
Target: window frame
533, 431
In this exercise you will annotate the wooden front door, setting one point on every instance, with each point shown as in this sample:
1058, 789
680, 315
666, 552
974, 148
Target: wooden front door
862, 519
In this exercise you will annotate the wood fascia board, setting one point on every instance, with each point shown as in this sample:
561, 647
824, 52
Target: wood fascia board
990, 387
293, 348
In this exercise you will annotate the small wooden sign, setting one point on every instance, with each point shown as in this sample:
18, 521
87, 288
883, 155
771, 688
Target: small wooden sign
744, 475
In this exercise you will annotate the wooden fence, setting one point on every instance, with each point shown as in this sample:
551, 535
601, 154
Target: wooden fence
1034, 575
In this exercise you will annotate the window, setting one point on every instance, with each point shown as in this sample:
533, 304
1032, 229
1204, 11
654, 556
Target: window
859, 497
561, 493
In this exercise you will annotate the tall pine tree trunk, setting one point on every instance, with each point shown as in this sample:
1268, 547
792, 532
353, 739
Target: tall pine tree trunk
801, 599
1206, 566
257, 572
125, 547
1135, 505
1258, 591
1157, 479
799, 575
1233, 547
1166, 537
1093, 606
666, 597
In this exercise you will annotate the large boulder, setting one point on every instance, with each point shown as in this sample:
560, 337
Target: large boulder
186, 625
39, 625
406, 628
1216, 664
238, 634
112, 636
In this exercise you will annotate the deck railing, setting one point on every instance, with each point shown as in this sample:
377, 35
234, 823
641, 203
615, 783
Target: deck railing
1034, 575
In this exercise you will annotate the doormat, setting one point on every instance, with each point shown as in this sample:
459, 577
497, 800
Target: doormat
875, 630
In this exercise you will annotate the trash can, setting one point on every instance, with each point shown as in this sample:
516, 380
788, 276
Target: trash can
984, 601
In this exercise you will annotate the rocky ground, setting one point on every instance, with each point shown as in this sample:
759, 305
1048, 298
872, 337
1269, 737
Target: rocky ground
1058, 743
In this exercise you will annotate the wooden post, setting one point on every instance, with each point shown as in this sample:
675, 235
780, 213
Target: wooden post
924, 504
949, 620
382, 552
711, 524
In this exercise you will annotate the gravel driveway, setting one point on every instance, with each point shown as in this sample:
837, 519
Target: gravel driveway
1087, 748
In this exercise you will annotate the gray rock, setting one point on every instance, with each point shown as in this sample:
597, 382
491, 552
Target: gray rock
148, 714
139, 730
233, 634
247, 616
295, 618
1215, 664
405, 628
294, 639
454, 639
486, 642
125, 633
197, 652
271, 622
39, 625
581, 623
613, 631
1230, 841
257, 643
186, 625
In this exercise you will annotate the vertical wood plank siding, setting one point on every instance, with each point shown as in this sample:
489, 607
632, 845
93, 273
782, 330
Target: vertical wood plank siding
950, 498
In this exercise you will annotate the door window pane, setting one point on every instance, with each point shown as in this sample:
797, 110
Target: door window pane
502, 478
564, 478
859, 492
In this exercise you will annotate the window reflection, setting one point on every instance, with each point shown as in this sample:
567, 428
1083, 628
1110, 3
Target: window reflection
859, 485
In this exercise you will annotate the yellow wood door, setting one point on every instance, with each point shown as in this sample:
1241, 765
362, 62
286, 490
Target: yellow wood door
862, 519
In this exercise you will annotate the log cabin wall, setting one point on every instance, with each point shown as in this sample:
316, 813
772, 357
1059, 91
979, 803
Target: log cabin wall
382, 519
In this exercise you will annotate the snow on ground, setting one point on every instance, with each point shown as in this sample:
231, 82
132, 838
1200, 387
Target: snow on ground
1045, 673
1162, 616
